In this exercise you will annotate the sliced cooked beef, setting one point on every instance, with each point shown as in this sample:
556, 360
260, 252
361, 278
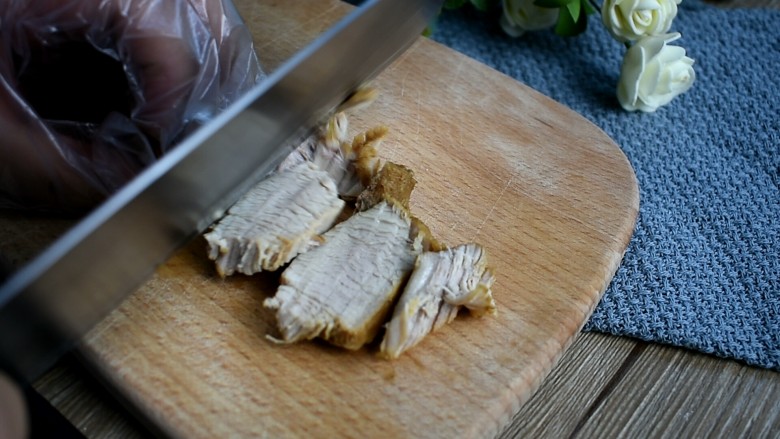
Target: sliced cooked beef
343, 290
276, 220
441, 283
351, 164
393, 183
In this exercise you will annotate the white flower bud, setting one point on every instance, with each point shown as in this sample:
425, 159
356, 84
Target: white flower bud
630, 20
653, 73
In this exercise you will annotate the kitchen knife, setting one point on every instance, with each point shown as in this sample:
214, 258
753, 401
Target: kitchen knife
51, 302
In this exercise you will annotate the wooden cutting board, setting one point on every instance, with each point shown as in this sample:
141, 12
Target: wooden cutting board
552, 198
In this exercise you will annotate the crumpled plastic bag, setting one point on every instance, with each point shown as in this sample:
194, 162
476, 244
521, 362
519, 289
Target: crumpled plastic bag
93, 91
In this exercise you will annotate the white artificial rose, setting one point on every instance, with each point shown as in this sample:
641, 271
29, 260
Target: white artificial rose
653, 73
523, 15
630, 20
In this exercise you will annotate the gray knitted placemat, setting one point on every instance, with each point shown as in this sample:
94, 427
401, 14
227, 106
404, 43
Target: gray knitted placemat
703, 268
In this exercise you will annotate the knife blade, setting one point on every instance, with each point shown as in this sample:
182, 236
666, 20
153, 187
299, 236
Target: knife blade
51, 302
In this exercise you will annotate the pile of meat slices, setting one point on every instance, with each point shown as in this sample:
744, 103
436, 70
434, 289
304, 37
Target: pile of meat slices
344, 281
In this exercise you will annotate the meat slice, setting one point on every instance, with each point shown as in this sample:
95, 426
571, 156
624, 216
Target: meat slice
329, 138
279, 218
441, 283
324, 144
393, 183
343, 290
351, 164
360, 162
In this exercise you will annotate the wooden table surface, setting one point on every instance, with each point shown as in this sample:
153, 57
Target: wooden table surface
604, 386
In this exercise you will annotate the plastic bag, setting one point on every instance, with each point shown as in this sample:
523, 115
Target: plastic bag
93, 91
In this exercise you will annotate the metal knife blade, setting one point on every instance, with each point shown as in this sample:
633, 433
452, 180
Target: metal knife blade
50, 303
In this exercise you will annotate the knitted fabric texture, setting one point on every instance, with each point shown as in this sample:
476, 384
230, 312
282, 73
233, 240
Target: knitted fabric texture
703, 268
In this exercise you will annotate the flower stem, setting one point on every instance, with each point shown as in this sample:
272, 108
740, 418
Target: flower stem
595, 5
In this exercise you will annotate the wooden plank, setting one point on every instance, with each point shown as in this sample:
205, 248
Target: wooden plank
667, 400
607, 386
85, 402
576, 384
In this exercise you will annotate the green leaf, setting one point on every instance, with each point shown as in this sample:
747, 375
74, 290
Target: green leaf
564, 26
553, 3
430, 29
484, 5
589, 9
453, 4
574, 10
567, 26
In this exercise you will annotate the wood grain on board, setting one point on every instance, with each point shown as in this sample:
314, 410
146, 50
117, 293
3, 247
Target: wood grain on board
550, 195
